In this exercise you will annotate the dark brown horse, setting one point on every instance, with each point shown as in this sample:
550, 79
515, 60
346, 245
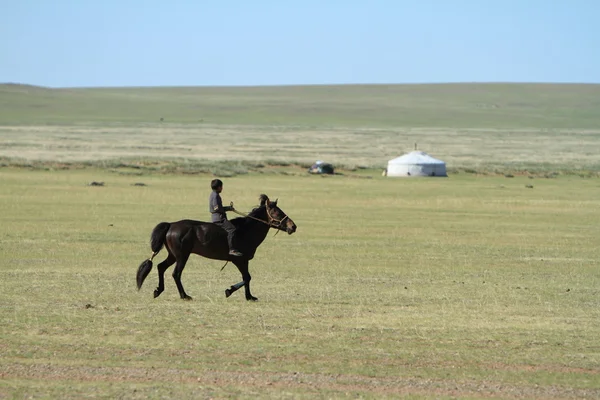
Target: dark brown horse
208, 240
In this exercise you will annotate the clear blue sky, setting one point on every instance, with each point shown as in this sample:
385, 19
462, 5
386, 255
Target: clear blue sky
66, 43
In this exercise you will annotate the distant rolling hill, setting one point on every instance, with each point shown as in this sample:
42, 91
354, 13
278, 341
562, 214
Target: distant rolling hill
467, 105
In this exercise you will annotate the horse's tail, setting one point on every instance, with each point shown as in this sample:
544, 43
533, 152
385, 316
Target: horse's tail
159, 234
143, 271
157, 241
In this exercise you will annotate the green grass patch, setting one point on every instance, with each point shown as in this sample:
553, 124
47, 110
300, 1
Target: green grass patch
464, 287
435, 105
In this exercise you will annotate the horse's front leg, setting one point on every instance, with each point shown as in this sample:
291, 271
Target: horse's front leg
233, 289
247, 287
243, 268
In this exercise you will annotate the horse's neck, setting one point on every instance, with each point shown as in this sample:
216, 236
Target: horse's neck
259, 229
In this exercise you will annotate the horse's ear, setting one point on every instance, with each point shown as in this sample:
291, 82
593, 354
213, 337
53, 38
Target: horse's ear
264, 199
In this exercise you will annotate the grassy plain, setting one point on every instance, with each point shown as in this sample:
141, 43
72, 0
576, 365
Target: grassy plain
463, 287
471, 287
548, 106
483, 127
237, 149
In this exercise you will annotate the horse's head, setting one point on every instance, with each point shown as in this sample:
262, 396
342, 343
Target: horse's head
276, 217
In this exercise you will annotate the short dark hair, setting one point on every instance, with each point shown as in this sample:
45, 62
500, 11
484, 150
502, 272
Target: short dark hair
215, 184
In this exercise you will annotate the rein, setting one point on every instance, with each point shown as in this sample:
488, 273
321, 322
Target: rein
270, 223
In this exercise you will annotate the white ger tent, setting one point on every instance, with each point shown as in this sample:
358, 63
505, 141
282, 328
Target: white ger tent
416, 163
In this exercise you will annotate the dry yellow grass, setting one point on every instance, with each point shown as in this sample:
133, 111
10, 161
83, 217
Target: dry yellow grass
460, 148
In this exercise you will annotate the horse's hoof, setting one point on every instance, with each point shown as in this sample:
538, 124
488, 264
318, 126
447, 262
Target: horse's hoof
252, 298
228, 292
187, 298
156, 293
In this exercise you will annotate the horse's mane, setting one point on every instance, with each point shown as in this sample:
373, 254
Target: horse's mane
241, 221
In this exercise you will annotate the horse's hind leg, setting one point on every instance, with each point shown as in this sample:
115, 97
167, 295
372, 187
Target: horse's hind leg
162, 267
181, 260
181, 247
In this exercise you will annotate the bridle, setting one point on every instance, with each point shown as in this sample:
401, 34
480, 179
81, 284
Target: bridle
271, 220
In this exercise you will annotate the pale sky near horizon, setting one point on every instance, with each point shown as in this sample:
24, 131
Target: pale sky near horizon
70, 43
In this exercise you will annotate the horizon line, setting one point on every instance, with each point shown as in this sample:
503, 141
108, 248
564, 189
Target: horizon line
303, 85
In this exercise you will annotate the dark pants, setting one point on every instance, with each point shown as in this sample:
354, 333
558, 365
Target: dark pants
230, 229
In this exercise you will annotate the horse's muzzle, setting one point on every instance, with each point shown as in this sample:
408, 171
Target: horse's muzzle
291, 227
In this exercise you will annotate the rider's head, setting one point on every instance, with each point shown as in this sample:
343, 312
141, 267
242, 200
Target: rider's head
216, 185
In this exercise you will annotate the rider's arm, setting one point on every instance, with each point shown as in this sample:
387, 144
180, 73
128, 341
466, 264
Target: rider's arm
217, 206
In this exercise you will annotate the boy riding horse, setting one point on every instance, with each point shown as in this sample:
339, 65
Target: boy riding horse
219, 214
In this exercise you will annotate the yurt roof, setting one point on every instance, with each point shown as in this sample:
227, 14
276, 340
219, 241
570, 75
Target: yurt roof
415, 158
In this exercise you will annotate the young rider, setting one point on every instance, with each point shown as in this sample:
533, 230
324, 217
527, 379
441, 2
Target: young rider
219, 214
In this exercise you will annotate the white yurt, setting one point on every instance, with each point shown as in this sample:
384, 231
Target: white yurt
416, 163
